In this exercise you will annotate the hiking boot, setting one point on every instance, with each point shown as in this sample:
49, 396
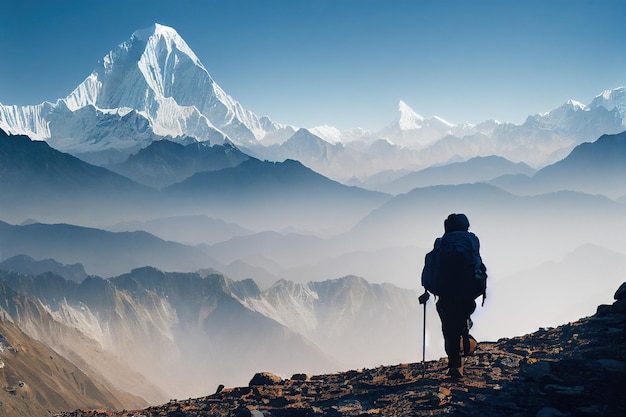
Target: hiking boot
455, 373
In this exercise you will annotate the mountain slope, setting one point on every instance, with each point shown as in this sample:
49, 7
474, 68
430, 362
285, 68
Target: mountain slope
36, 380
101, 330
596, 167
473, 170
270, 195
102, 253
164, 163
155, 76
26, 265
33, 167
219, 339
38, 181
192, 229
341, 315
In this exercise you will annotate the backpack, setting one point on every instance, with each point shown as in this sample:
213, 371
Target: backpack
454, 267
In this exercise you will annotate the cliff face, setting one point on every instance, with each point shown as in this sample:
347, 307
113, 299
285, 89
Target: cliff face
577, 369
36, 381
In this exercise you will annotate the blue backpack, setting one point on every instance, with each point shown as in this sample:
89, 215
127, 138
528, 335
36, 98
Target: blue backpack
454, 267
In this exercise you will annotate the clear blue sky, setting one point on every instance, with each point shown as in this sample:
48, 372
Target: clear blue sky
345, 63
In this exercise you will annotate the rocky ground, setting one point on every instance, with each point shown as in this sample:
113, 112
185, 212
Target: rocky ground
578, 369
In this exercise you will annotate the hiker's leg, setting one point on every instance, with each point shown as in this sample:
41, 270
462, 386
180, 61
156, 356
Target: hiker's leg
469, 309
452, 324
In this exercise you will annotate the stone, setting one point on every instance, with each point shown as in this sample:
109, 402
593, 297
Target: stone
620, 294
620, 306
264, 378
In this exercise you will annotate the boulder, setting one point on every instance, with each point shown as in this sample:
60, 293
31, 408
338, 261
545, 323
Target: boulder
264, 378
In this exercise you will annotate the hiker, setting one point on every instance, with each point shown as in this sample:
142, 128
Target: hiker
454, 272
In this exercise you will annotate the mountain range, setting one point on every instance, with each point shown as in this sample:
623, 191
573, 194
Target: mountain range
594, 168
205, 329
535, 374
154, 87
222, 179
100, 252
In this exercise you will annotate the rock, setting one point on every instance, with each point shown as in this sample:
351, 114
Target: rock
264, 378
620, 306
534, 369
620, 294
299, 377
604, 309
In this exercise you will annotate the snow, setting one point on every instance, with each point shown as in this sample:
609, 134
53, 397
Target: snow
409, 120
442, 121
576, 104
156, 74
26, 120
328, 133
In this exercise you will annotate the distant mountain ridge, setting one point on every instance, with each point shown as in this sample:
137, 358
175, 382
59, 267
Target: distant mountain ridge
216, 180
266, 194
24, 264
35, 167
477, 169
597, 167
154, 87
164, 163
102, 253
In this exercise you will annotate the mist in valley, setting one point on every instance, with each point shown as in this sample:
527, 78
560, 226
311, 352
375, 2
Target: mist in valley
296, 299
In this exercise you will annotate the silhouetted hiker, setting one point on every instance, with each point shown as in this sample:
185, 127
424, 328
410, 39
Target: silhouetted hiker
454, 272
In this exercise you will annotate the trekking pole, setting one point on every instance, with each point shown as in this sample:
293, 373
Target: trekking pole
423, 299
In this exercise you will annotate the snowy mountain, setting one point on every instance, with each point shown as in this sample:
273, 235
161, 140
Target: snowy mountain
612, 99
152, 84
96, 249
414, 142
414, 131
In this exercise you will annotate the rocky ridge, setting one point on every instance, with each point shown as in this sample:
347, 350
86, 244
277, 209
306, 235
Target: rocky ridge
577, 369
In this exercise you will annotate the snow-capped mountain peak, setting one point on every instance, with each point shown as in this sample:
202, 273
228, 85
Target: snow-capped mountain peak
328, 133
612, 99
576, 104
172, 39
156, 75
409, 119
